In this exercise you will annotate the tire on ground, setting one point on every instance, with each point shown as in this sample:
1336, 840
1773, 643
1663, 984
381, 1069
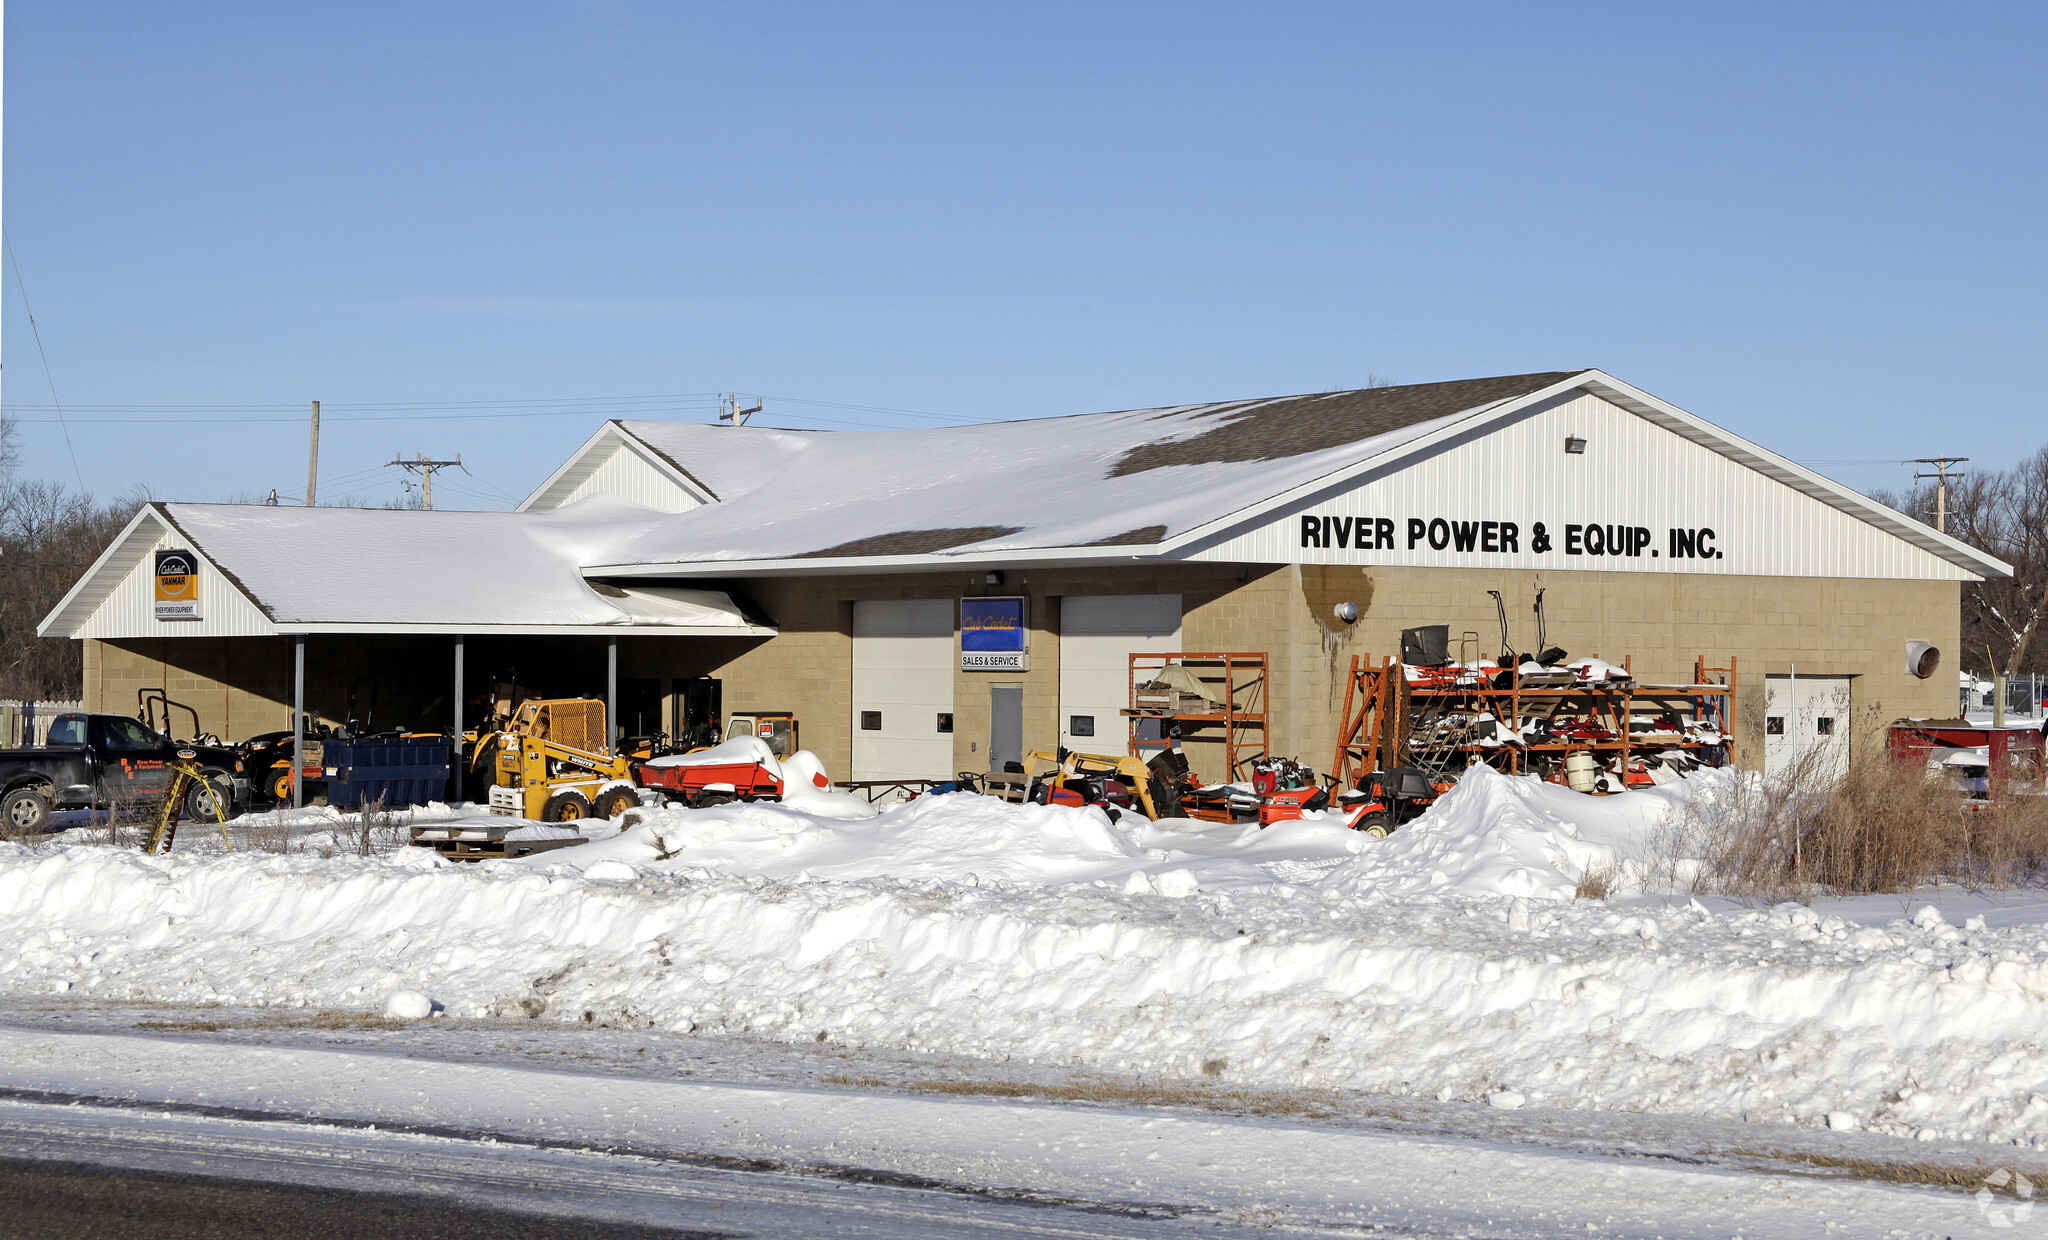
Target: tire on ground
615, 801
570, 806
24, 811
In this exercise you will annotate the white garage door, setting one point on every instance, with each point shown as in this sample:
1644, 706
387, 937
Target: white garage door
1806, 725
903, 661
1098, 634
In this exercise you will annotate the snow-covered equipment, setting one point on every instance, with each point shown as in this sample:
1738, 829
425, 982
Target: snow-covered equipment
1532, 718
554, 764
742, 769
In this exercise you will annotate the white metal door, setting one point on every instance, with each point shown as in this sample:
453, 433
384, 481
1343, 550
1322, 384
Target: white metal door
902, 682
1806, 725
1098, 634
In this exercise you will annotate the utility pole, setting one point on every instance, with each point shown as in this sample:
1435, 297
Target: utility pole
313, 457
425, 468
1941, 465
729, 409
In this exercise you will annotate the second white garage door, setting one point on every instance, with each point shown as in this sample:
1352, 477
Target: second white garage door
903, 661
1098, 635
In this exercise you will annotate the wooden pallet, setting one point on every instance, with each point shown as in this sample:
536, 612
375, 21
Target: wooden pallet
474, 843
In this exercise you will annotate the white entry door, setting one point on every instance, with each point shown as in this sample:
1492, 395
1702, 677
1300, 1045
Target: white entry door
1806, 723
1098, 635
903, 659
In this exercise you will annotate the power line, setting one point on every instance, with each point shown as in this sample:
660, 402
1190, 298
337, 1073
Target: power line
676, 402
55, 401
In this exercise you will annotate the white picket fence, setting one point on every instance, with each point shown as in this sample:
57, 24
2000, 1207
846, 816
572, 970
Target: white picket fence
28, 723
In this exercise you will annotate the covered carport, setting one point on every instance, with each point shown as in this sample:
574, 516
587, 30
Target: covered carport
262, 617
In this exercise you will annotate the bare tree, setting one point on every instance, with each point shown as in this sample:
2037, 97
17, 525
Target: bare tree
2003, 513
49, 535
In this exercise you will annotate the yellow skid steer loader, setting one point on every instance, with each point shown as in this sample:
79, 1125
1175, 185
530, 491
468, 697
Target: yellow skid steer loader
555, 764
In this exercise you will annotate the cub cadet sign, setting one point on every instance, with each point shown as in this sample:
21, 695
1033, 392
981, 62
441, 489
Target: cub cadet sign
1508, 537
993, 636
177, 585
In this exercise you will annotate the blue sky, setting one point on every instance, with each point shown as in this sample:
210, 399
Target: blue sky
1818, 225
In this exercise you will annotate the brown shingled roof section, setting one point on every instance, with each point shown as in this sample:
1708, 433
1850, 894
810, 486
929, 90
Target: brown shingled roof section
1266, 430
911, 542
1142, 536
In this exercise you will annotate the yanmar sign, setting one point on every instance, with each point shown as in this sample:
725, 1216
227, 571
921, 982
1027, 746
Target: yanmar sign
177, 585
1596, 540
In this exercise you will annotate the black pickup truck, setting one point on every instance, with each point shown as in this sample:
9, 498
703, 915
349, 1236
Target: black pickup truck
104, 761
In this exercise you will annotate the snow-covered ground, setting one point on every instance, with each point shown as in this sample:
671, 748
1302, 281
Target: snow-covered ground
1447, 963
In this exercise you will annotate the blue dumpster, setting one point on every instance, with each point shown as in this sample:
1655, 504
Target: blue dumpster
408, 771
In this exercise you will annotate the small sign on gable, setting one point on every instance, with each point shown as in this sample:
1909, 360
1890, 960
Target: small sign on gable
177, 585
993, 637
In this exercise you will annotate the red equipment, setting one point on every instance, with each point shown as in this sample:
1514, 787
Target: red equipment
2013, 757
1288, 804
712, 783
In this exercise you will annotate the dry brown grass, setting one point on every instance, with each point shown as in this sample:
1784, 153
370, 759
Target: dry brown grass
1882, 826
1597, 882
1312, 1104
1968, 1176
328, 1019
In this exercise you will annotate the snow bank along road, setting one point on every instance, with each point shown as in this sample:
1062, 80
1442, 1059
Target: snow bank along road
1130, 1172
1447, 962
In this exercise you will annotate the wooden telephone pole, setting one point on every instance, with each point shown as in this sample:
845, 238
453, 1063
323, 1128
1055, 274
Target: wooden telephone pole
1941, 466
313, 457
425, 468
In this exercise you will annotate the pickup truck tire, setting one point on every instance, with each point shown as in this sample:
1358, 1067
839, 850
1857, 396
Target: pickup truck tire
565, 807
200, 799
25, 811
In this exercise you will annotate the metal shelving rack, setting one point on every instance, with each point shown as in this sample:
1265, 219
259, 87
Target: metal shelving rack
1390, 720
1238, 678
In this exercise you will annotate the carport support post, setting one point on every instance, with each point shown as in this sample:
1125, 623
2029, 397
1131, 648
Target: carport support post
455, 751
611, 691
298, 718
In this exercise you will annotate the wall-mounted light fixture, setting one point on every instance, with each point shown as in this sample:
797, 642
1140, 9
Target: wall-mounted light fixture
1347, 613
1575, 445
994, 577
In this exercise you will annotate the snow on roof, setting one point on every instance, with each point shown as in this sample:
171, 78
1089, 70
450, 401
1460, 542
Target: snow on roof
1131, 478
477, 571
725, 460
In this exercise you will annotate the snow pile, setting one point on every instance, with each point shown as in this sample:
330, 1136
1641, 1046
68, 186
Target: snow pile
1447, 962
1492, 833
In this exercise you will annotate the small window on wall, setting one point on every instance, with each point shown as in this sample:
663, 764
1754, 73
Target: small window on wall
1081, 725
945, 721
1824, 725
1774, 725
871, 721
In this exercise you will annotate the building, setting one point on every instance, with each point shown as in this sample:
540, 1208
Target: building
687, 568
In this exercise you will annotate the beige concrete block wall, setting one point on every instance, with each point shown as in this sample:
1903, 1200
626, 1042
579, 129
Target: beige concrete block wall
1857, 628
1659, 621
808, 667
